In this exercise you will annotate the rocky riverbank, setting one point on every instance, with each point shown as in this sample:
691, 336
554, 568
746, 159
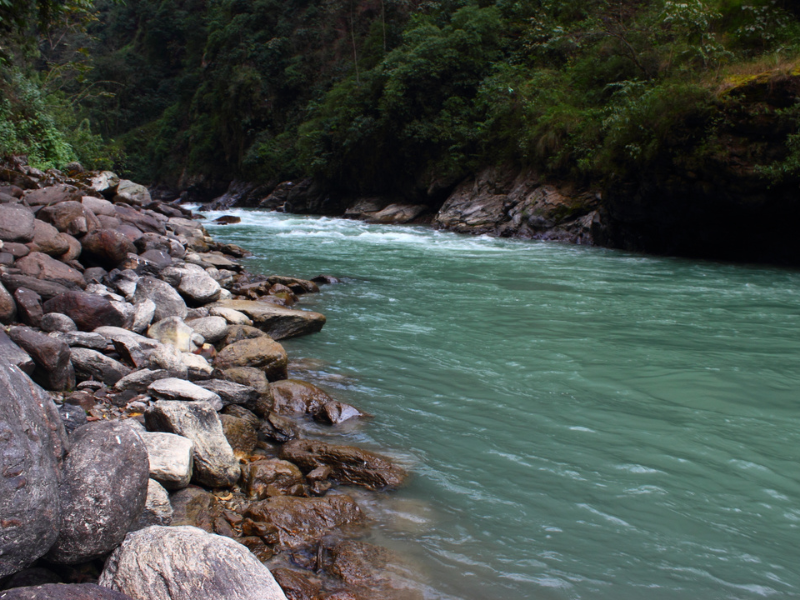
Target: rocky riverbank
153, 445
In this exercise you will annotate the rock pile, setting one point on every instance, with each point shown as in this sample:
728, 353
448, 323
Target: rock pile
150, 436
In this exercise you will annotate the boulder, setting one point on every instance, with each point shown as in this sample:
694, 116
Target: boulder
88, 311
213, 329
234, 317
199, 289
171, 459
278, 322
57, 322
237, 333
348, 464
13, 354
72, 417
53, 194
16, 223
186, 391
137, 381
91, 364
197, 367
60, 591
159, 258
16, 250
303, 522
48, 239
8, 308
175, 332
105, 182
102, 491
69, 217
132, 193
33, 445
186, 563
106, 247
51, 356
168, 302
82, 339
358, 563
297, 585
262, 353
45, 289
73, 251
157, 509
99, 206
142, 222
250, 377
215, 464
42, 266
230, 392
273, 477
295, 397
396, 214
278, 429
195, 507
240, 433
143, 315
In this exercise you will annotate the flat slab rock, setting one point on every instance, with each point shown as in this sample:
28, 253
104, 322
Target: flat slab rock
173, 388
348, 464
278, 322
186, 563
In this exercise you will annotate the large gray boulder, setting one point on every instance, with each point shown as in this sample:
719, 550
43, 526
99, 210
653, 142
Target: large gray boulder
60, 591
168, 301
173, 388
171, 458
215, 465
33, 445
102, 492
16, 223
213, 329
278, 322
199, 288
186, 563
129, 192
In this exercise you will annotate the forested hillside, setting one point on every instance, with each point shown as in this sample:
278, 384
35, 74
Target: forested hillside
408, 97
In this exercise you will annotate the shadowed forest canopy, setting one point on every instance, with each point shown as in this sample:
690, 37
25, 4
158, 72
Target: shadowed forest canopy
383, 95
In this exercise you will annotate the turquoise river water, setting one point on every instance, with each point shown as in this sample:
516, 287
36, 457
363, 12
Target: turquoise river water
580, 423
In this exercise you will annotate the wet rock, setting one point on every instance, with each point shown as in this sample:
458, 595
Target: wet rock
186, 563
348, 464
325, 280
171, 459
186, 391
106, 247
263, 353
41, 266
241, 435
298, 286
8, 307
276, 321
168, 302
357, 563
279, 429
48, 239
57, 322
213, 329
157, 509
60, 591
295, 397
301, 522
273, 477
132, 193
199, 289
297, 585
102, 491
33, 444
194, 507
51, 356
88, 311
91, 364
72, 417
16, 223
29, 306
215, 464
175, 332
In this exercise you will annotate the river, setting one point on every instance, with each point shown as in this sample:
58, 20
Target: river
581, 423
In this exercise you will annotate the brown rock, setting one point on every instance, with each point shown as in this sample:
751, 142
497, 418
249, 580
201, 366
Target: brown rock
240, 412
257, 546
279, 429
89, 311
69, 217
16, 223
106, 247
16, 250
297, 585
74, 250
237, 333
252, 377
53, 368
295, 397
54, 194
142, 221
298, 286
60, 591
349, 465
263, 353
29, 306
301, 522
358, 563
241, 435
8, 308
41, 266
196, 507
46, 289
273, 477
48, 239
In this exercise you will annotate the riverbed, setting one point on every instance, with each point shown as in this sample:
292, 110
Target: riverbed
581, 423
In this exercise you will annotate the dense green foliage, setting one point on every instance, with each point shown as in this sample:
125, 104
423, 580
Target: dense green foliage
382, 95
